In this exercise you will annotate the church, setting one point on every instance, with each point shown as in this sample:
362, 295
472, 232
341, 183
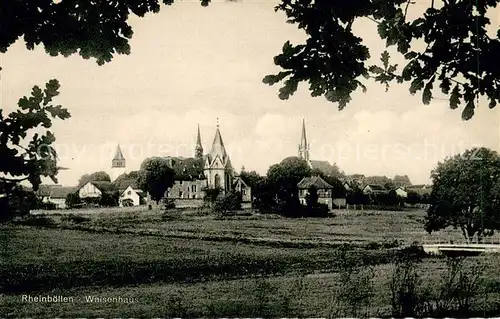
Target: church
303, 152
195, 174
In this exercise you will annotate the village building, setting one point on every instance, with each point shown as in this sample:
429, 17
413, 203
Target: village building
324, 190
400, 191
303, 152
54, 194
374, 189
419, 189
131, 197
94, 190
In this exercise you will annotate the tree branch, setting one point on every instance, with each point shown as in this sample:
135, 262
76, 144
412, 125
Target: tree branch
377, 22
406, 8
11, 180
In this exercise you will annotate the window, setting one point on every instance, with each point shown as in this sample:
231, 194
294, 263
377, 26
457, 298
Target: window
217, 181
180, 194
194, 196
243, 192
193, 188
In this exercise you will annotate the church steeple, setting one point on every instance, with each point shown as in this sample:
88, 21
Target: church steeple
218, 149
218, 169
304, 146
117, 164
198, 151
118, 160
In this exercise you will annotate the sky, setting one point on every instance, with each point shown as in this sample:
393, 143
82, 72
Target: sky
190, 65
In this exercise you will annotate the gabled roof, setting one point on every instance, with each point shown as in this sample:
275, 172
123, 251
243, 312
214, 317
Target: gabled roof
316, 181
376, 187
137, 190
218, 150
103, 186
238, 179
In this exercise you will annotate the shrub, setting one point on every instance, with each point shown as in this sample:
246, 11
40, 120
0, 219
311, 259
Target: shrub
19, 202
227, 202
211, 195
41, 221
77, 219
109, 199
73, 200
405, 298
169, 203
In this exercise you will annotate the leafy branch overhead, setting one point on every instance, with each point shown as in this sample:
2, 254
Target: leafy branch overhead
29, 157
96, 29
459, 57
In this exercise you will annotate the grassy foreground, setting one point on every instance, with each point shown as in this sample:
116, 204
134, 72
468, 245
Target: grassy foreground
191, 265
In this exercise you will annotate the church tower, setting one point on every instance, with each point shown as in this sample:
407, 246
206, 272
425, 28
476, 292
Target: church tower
218, 170
117, 164
303, 146
198, 151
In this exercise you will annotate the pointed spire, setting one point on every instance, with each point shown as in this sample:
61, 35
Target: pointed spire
198, 151
198, 139
304, 146
218, 148
118, 154
303, 140
119, 159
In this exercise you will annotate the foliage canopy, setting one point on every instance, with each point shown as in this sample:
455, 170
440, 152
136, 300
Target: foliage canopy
466, 194
458, 56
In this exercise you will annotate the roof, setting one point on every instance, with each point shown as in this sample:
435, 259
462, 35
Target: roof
316, 181
118, 154
185, 168
218, 150
61, 191
137, 190
376, 187
43, 190
419, 189
421, 186
238, 179
357, 176
103, 186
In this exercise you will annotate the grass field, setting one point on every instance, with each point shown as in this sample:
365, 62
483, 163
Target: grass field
351, 227
189, 264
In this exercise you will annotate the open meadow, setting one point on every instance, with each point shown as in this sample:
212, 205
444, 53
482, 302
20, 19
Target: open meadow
190, 264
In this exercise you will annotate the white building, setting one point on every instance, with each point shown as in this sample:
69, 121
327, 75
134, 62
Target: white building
132, 195
401, 192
